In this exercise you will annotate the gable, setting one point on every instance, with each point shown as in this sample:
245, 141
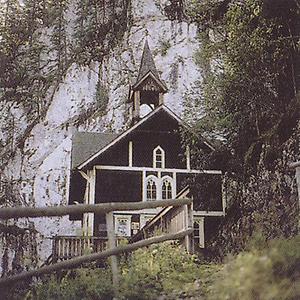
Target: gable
162, 119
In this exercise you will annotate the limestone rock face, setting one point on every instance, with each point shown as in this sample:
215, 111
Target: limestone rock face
88, 98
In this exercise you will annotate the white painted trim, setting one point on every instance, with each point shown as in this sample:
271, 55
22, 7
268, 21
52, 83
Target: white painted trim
153, 211
88, 226
200, 222
163, 157
122, 135
188, 158
173, 186
148, 169
130, 153
157, 186
144, 218
144, 191
158, 81
85, 176
203, 213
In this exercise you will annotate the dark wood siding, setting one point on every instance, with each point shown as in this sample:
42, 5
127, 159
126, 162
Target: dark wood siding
118, 186
117, 155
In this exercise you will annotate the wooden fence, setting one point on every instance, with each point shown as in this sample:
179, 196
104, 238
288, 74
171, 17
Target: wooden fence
19, 212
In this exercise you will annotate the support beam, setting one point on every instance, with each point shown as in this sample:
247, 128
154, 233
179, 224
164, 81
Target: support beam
130, 154
77, 261
141, 169
188, 158
137, 101
55, 211
91, 201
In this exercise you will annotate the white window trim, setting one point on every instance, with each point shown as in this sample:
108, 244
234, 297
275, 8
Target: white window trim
173, 186
162, 157
159, 182
200, 222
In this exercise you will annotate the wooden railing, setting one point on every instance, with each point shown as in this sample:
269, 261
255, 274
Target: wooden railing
169, 220
66, 247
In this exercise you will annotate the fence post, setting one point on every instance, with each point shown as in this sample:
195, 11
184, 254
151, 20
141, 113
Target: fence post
189, 225
112, 244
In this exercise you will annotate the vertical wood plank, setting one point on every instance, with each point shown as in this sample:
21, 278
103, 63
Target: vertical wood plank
130, 154
188, 158
112, 244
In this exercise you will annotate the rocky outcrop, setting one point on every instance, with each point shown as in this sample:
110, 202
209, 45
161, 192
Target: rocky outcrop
89, 97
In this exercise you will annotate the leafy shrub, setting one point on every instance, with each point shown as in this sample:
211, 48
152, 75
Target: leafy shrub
82, 284
270, 273
159, 269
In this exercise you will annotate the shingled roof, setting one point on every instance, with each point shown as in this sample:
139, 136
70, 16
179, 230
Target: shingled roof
147, 63
148, 66
85, 144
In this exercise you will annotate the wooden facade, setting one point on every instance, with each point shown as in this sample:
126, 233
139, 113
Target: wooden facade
146, 162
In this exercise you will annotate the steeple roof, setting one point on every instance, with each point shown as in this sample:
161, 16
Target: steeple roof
147, 66
147, 63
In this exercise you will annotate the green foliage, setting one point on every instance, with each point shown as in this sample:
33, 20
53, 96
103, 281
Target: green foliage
164, 47
102, 96
250, 92
270, 273
268, 270
159, 269
250, 57
99, 27
82, 284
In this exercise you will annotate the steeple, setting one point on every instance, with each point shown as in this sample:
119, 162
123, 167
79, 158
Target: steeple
147, 92
147, 63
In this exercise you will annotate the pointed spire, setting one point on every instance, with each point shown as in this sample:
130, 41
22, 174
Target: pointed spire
147, 63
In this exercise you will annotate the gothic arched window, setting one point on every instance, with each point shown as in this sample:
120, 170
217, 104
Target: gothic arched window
151, 189
166, 188
158, 157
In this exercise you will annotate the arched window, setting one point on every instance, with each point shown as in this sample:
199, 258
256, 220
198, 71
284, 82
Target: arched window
166, 188
151, 189
158, 157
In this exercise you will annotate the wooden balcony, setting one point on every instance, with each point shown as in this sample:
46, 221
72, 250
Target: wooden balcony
66, 247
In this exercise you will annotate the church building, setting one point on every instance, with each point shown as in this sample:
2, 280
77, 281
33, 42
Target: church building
144, 163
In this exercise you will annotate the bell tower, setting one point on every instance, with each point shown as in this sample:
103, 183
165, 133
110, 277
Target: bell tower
148, 90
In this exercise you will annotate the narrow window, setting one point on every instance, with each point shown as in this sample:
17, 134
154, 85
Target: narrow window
166, 189
151, 190
158, 157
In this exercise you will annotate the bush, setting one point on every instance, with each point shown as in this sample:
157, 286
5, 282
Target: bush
270, 273
81, 284
159, 269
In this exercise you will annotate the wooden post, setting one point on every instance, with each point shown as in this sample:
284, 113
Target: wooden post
189, 225
137, 102
130, 153
77, 261
111, 245
161, 98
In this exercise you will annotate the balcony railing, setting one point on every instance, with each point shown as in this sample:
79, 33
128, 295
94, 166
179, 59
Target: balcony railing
66, 247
